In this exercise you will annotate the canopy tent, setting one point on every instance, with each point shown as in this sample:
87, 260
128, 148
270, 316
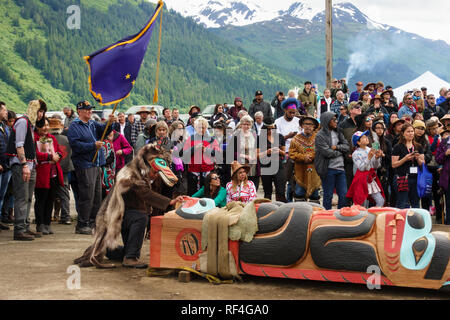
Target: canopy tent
432, 82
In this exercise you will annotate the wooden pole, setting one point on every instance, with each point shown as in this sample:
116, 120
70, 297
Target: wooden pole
104, 132
329, 41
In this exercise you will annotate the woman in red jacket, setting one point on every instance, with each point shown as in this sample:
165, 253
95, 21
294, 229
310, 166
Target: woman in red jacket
48, 175
198, 153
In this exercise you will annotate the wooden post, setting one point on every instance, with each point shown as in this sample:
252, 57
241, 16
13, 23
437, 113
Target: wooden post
329, 41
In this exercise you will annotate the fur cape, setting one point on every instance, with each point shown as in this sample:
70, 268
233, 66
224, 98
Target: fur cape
110, 215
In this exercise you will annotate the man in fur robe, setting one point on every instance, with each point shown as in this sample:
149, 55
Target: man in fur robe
125, 210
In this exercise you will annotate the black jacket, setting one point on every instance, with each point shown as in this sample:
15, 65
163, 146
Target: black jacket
323, 145
126, 130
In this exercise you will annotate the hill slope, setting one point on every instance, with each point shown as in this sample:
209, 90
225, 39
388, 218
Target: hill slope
43, 58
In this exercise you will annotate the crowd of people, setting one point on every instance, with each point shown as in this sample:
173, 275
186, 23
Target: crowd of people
367, 146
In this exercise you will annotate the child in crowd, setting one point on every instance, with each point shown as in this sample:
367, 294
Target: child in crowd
365, 183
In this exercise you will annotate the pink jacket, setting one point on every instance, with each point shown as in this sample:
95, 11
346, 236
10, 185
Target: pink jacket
121, 143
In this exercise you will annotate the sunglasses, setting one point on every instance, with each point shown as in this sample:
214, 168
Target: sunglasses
368, 119
215, 178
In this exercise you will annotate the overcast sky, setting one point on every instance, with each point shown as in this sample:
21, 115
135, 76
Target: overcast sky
427, 18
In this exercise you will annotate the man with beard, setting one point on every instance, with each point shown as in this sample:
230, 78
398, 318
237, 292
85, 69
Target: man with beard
431, 108
288, 126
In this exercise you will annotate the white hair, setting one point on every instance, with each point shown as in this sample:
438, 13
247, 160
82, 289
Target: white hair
200, 122
292, 93
259, 114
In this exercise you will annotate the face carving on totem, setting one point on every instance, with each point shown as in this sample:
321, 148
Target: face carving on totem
195, 208
409, 252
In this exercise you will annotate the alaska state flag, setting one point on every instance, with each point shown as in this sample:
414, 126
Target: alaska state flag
114, 69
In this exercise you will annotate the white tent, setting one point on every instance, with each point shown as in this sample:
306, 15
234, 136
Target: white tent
432, 82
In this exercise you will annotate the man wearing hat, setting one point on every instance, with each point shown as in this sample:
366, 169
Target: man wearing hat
62, 192
271, 152
348, 127
377, 108
309, 99
371, 87
302, 151
260, 105
138, 125
355, 94
21, 149
84, 137
445, 120
238, 106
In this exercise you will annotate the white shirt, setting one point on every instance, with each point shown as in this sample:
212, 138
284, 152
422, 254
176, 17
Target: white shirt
285, 127
258, 128
122, 128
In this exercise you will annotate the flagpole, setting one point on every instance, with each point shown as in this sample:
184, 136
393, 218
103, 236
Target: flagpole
155, 94
104, 132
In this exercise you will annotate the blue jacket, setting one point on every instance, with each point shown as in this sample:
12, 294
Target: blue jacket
82, 137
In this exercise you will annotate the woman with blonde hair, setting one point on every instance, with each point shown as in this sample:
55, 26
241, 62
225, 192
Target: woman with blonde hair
240, 188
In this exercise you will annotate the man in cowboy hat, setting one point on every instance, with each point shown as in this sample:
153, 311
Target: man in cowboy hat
138, 125
302, 151
62, 192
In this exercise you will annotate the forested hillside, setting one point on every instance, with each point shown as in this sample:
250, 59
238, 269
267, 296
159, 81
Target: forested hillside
44, 58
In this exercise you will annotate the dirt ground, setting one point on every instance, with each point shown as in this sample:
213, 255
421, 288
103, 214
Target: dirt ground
40, 269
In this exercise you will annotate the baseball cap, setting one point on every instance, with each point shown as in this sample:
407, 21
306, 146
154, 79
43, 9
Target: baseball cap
258, 93
84, 105
357, 135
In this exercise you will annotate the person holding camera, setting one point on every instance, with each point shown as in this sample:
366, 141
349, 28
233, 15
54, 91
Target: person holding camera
365, 183
407, 156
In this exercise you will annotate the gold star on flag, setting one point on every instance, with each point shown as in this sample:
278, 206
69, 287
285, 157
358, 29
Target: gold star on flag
128, 76
133, 82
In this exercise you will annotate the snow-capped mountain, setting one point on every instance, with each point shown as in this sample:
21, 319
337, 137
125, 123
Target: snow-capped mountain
221, 13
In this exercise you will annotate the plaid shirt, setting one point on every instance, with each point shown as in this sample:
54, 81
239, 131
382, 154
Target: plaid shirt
136, 129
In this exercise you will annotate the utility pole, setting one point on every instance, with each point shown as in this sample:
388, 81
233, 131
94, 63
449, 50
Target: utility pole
329, 41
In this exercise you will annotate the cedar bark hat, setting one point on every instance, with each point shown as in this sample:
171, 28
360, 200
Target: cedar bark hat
235, 166
55, 124
143, 109
370, 84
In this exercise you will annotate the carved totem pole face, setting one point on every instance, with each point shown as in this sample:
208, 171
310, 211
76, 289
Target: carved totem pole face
410, 254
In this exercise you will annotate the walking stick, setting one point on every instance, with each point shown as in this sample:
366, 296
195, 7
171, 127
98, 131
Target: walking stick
104, 132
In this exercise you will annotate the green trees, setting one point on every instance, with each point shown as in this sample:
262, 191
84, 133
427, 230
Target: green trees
196, 66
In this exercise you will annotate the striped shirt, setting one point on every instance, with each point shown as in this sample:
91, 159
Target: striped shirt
244, 194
